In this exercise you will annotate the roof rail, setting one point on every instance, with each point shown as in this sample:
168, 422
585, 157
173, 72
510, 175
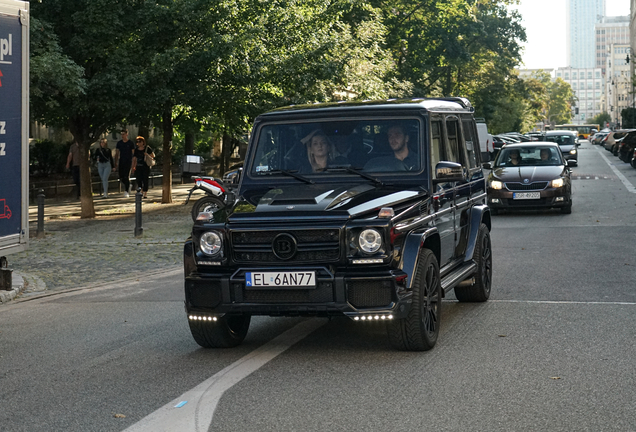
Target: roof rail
460, 100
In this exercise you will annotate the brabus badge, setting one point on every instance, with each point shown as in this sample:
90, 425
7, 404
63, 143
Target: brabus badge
526, 181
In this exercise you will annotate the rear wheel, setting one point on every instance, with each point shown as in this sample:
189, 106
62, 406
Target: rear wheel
206, 204
227, 332
480, 291
419, 330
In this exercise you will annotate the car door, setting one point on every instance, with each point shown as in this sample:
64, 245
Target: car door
457, 153
443, 194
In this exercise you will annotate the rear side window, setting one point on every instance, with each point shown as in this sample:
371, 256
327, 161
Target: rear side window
452, 149
471, 142
437, 144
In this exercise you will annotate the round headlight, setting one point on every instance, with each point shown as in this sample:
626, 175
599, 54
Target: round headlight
370, 240
210, 243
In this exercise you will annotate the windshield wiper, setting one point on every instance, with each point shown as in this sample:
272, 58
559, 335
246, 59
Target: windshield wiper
356, 171
290, 173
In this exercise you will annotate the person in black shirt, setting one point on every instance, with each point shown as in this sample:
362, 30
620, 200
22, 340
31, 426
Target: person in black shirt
139, 166
105, 163
123, 160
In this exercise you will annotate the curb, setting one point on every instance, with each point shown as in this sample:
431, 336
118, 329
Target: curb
18, 286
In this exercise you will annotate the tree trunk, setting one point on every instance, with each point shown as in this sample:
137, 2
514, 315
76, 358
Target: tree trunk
189, 143
86, 187
226, 151
166, 196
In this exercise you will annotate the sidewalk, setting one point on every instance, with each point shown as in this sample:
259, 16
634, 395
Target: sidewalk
77, 252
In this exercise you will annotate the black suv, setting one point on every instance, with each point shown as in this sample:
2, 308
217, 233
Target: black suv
369, 210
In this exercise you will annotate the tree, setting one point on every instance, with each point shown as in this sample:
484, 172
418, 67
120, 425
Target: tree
561, 101
600, 119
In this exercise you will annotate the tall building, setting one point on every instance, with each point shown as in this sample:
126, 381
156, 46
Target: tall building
587, 86
610, 30
619, 83
582, 15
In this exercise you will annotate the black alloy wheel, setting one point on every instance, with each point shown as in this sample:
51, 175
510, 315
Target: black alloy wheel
480, 291
420, 329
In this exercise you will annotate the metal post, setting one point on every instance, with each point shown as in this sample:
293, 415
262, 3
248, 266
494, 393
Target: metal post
139, 230
6, 281
40, 231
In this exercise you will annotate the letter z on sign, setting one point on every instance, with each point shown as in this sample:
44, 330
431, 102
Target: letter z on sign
2, 132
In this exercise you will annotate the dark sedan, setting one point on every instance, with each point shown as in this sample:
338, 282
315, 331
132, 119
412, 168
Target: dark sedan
568, 143
530, 175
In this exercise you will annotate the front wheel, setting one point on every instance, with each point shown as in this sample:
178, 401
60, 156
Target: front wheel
480, 291
227, 332
567, 209
206, 204
419, 330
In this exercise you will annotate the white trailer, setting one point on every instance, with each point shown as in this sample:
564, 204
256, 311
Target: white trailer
14, 127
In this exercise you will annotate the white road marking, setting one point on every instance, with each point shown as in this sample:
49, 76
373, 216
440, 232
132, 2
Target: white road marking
630, 187
202, 400
565, 302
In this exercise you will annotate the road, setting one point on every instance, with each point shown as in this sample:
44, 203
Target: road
552, 350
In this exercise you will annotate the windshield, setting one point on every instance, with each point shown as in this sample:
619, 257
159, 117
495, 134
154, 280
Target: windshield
528, 156
564, 139
316, 148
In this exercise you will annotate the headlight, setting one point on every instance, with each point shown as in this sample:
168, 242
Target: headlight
573, 151
557, 183
370, 240
211, 243
496, 184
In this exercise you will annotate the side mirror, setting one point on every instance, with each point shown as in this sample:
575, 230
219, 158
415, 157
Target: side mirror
446, 172
486, 165
570, 162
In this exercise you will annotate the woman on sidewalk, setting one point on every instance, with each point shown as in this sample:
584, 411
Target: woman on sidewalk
140, 167
105, 163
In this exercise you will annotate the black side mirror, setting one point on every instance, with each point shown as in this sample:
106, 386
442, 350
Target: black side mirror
446, 172
486, 165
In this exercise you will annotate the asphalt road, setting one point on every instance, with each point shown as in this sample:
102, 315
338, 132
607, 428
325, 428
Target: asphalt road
552, 350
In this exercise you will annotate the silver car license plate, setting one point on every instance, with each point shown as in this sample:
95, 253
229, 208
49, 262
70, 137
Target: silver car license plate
526, 195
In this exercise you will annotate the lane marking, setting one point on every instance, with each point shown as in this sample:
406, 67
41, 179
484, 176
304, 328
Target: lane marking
566, 302
628, 185
197, 415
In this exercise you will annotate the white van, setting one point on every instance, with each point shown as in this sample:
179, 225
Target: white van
486, 144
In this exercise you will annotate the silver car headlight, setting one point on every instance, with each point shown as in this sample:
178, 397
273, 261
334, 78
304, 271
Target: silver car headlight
496, 184
573, 151
211, 243
557, 183
370, 240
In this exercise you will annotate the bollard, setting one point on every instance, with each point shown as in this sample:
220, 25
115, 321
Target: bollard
40, 231
139, 230
6, 282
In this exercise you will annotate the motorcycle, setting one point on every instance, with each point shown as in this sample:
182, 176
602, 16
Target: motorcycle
218, 193
214, 199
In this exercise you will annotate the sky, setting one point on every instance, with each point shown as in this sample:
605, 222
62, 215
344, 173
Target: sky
544, 21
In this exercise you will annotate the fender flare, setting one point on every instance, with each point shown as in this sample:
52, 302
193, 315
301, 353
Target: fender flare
478, 214
413, 245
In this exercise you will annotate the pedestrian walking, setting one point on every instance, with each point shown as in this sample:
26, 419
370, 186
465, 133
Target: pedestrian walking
73, 163
143, 155
123, 160
105, 163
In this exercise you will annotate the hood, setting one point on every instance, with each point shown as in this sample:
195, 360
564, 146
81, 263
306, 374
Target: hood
322, 201
565, 148
530, 173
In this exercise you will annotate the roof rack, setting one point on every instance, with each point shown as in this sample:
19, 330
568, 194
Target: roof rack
460, 100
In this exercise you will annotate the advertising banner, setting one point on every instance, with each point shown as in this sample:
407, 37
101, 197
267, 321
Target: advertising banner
10, 125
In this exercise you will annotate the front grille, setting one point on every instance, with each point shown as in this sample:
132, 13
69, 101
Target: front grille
526, 187
313, 245
527, 203
366, 293
204, 296
323, 293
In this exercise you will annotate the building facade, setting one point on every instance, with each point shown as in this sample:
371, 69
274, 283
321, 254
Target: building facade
618, 82
610, 30
587, 85
582, 15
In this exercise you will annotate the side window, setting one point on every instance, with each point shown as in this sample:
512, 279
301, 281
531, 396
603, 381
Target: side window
472, 143
437, 144
452, 149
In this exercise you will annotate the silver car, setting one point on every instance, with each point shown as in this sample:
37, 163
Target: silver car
568, 143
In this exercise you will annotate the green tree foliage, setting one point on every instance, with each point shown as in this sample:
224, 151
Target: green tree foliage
600, 119
562, 100
629, 118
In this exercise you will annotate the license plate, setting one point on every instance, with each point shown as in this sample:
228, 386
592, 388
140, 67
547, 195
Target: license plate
526, 195
280, 279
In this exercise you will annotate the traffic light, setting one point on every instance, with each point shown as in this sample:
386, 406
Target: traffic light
627, 58
576, 110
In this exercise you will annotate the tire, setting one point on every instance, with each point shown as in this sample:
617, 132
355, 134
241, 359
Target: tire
480, 291
567, 209
420, 329
229, 331
207, 203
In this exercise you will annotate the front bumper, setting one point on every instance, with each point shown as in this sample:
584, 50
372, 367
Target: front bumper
358, 295
549, 198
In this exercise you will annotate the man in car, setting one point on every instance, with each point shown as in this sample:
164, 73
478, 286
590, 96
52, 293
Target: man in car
515, 158
398, 140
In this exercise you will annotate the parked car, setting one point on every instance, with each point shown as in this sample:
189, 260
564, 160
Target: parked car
370, 211
535, 136
567, 142
609, 142
633, 161
627, 146
529, 175
598, 137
